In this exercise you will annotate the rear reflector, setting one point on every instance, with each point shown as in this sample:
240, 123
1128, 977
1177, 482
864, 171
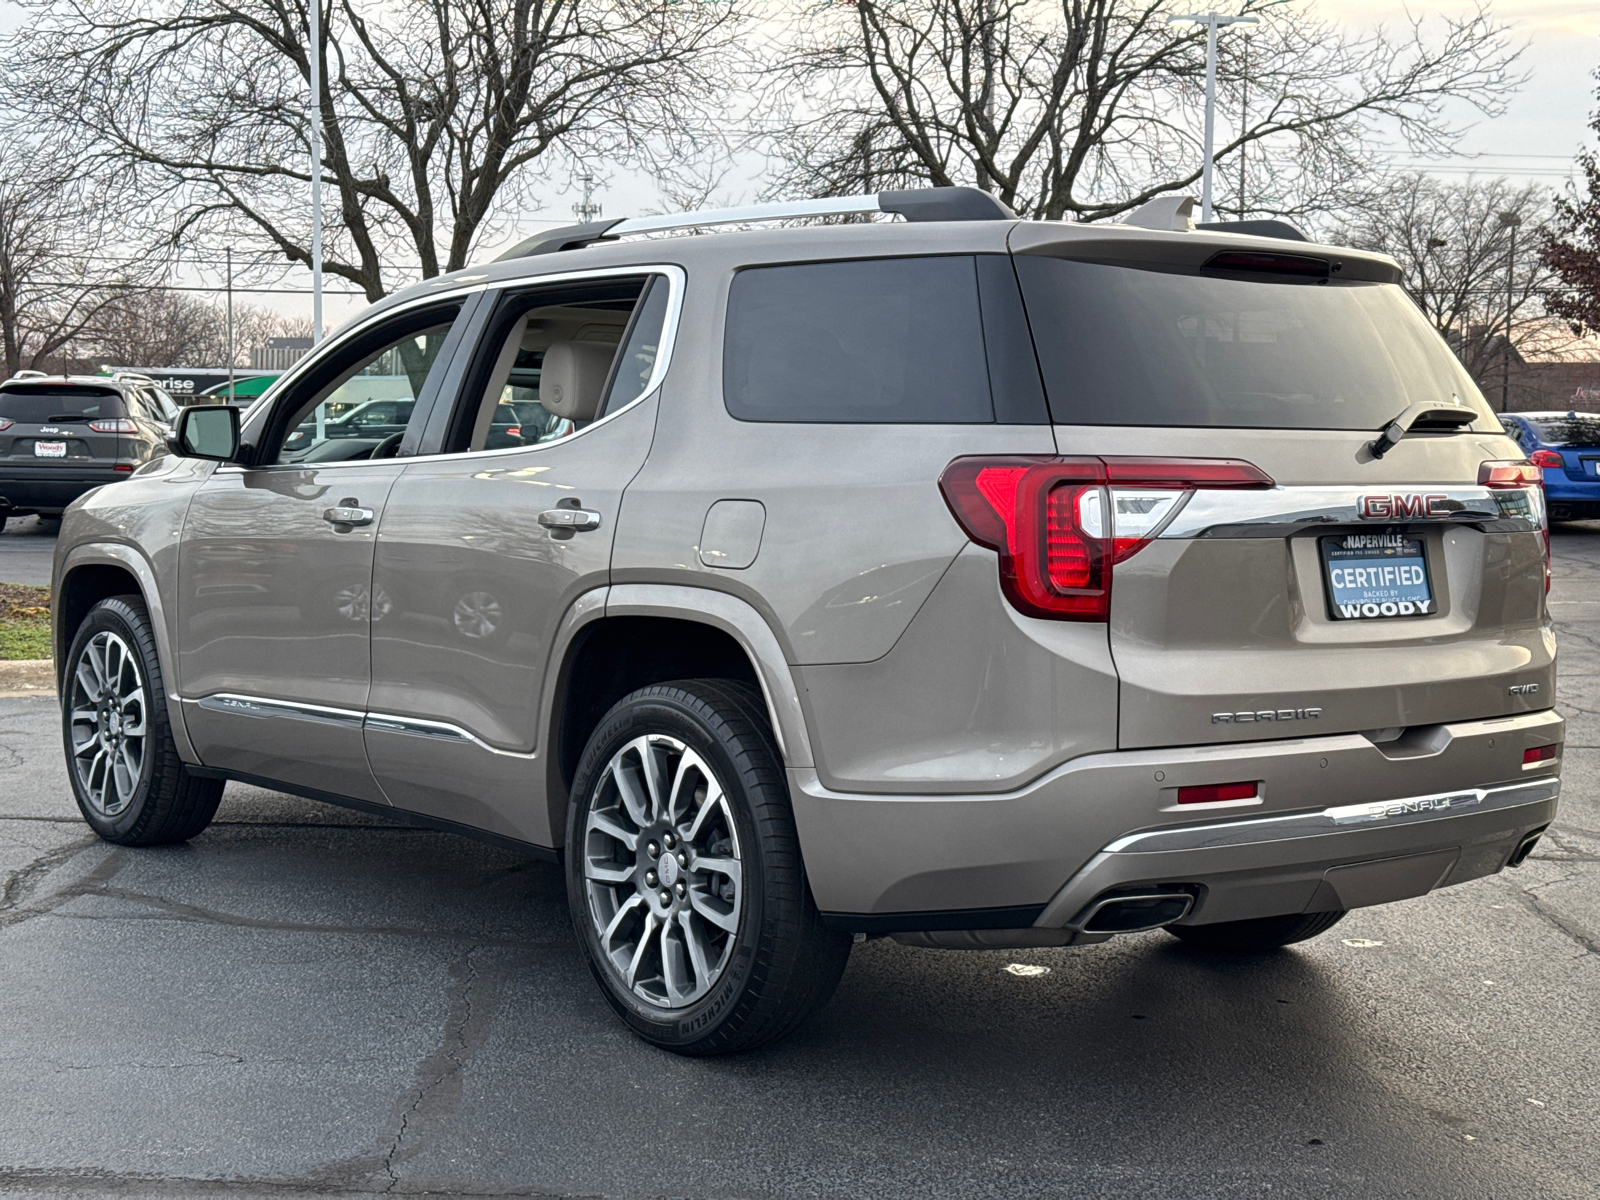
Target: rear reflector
1059, 524
123, 467
1539, 754
1506, 473
1212, 792
1546, 458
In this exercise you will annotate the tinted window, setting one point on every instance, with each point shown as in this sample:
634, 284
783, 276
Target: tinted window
1574, 429
1121, 345
34, 405
880, 340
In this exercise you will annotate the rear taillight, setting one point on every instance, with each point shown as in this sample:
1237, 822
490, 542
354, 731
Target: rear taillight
5, 423
1506, 473
1539, 754
1211, 793
1547, 458
1060, 524
114, 425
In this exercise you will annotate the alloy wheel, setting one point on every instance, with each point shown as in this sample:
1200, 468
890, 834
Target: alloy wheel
662, 871
110, 711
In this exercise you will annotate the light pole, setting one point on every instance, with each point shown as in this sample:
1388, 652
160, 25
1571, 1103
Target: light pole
1508, 220
1214, 21
315, 11
230, 325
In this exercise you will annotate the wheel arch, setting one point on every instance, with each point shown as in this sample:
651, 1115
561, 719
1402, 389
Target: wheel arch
97, 571
642, 634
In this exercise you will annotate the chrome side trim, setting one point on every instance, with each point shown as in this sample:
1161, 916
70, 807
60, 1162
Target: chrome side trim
1276, 511
443, 730
260, 706
1408, 811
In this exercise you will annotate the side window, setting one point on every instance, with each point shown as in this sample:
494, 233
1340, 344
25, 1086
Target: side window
357, 403
888, 340
545, 366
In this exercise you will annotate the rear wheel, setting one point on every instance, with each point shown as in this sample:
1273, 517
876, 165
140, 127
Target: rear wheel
684, 874
130, 784
1253, 937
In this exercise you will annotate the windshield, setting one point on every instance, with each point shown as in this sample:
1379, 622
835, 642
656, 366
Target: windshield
1574, 429
39, 404
1122, 345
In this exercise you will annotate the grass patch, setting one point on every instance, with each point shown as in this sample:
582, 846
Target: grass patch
24, 621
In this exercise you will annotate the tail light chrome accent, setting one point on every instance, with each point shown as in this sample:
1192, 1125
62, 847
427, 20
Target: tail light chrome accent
1061, 524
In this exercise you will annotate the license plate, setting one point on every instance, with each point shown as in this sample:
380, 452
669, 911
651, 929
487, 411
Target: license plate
49, 449
1376, 575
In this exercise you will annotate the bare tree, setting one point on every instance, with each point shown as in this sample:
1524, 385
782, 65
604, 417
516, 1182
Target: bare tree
437, 115
170, 328
1453, 240
58, 269
1091, 107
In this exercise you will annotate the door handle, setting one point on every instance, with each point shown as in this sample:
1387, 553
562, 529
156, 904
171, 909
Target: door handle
569, 520
348, 512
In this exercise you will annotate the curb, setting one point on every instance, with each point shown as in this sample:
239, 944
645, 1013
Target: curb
28, 677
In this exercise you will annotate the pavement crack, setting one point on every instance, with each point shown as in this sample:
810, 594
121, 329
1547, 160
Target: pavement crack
22, 884
1583, 938
435, 1095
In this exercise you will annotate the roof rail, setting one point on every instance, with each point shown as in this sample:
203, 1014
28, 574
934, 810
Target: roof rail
30, 375
916, 204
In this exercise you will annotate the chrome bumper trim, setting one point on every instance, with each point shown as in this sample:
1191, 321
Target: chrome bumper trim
1408, 811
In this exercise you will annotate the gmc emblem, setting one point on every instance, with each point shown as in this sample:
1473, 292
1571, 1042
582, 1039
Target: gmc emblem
1387, 508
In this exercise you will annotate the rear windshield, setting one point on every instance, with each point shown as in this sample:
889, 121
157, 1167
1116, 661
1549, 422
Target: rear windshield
38, 404
1121, 345
1574, 429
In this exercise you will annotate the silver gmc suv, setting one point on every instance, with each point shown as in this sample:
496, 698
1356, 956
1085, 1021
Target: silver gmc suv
973, 581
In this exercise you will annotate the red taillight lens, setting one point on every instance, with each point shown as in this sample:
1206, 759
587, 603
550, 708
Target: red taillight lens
1059, 524
1539, 754
1506, 473
1547, 458
1212, 792
513, 430
114, 425
5, 423
123, 467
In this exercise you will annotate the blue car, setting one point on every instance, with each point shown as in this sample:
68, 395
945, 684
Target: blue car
1567, 446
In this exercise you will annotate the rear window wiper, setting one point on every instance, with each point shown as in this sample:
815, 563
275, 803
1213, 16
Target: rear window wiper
1424, 415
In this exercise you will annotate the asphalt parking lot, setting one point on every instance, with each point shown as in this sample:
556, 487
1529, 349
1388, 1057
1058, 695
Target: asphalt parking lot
308, 1001
26, 546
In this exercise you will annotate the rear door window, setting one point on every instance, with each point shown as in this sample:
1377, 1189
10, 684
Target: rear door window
1130, 345
888, 340
39, 405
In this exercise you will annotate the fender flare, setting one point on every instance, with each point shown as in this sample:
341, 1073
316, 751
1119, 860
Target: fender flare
116, 554
706, 606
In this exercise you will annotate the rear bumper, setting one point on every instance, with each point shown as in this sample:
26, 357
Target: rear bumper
1040, 855
25, 490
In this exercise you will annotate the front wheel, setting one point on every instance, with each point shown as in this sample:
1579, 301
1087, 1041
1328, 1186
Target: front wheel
130, 784
1257, 936
684, 874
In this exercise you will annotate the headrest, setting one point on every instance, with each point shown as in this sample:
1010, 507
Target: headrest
572, 376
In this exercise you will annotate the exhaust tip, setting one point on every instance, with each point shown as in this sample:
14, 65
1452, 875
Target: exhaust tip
1136, 913
1525, 848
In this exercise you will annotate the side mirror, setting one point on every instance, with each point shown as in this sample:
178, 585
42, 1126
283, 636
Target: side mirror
207, 431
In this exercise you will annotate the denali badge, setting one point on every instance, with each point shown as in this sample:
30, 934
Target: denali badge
1413, 504
1266, 714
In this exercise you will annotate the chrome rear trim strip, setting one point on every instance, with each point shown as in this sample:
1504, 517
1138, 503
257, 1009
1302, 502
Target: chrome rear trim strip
1273, 512
1408, 811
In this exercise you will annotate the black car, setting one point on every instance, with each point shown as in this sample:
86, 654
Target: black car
62, 435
